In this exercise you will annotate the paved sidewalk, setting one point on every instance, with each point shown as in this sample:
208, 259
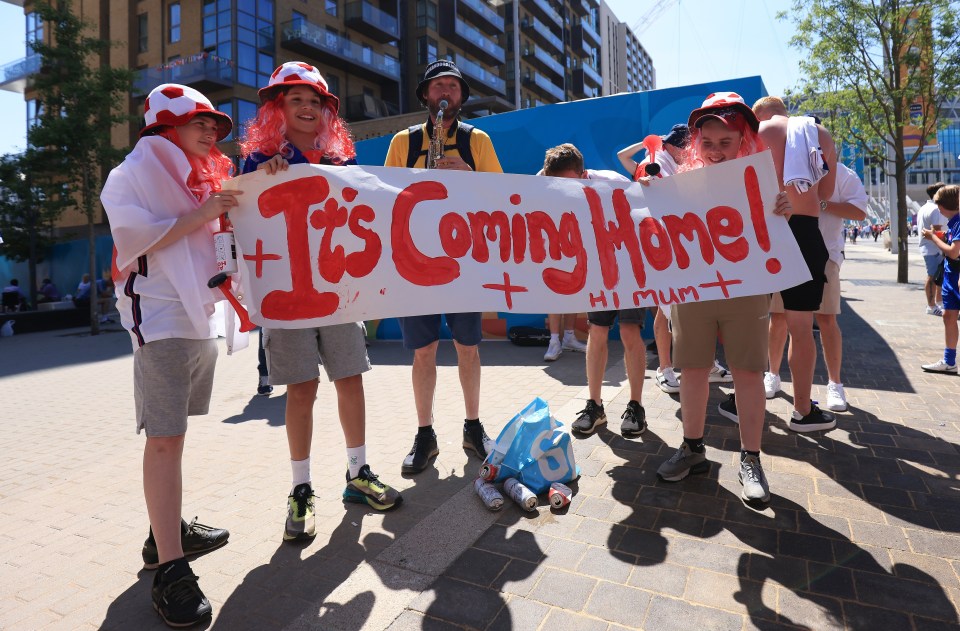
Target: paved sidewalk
861, 532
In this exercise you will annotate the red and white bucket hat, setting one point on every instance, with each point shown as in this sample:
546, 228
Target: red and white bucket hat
297, 73
718, 105
171, 104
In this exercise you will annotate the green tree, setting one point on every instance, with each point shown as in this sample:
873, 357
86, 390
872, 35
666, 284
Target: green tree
82, 98
27, 210
866, 62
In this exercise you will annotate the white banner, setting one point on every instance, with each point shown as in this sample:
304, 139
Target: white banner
321, 245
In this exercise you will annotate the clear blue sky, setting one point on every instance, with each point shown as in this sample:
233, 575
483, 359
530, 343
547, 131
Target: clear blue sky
690, 41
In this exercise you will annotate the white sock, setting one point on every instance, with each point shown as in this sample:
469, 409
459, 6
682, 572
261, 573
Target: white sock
301, 471
356, 458
568, 334
554, 337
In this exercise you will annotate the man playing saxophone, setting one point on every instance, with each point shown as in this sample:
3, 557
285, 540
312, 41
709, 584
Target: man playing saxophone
457, 146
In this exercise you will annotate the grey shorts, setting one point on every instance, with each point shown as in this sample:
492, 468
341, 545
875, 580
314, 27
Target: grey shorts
295, 355
933, 263
172, 379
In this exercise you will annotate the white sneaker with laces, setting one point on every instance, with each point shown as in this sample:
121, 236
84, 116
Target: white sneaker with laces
553, 351
771, 384
935, 310
836, 398
570, 343
719, 374
667, 380
940, 366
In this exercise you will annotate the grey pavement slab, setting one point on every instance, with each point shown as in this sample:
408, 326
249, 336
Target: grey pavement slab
863, 531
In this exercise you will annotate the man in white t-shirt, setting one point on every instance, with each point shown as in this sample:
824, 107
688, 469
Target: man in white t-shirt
849, 201
929, 218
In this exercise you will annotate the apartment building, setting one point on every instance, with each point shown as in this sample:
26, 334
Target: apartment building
626, 66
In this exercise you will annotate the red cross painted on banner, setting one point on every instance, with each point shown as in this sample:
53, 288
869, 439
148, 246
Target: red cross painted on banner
722, 283
507, 289
260, 257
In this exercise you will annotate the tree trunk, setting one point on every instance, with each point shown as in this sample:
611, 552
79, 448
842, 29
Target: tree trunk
92, 248
902, 234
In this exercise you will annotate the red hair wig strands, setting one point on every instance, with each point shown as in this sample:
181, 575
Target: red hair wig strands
205, 174
266, 133
749, 145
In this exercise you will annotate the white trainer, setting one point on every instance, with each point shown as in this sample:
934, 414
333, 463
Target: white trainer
935, 310
771, 384
667, 380
836, 398
571, 343
940, 366
553, 351
719, 374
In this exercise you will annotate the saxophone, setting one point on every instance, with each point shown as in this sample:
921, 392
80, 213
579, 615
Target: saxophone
435, 151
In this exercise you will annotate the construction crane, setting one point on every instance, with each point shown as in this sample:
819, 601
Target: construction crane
653, 13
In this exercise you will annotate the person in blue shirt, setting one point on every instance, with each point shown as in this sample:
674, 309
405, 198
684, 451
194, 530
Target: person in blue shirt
947, 200
298, 123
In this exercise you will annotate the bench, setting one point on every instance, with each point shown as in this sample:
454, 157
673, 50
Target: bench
47, 320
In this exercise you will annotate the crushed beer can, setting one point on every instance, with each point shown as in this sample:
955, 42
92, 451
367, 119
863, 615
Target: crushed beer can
520, 494
489, 472
559, 495
489, 494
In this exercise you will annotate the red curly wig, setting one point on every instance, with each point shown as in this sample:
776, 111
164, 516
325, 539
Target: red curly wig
207, 173
267, 133
750, 144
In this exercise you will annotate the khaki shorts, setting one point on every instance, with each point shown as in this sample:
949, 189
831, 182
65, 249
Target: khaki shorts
295, 355
172, 379
830, 305
743, 324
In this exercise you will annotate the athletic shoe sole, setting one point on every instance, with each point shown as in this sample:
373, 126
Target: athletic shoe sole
586, 432
407, 469
838, 408
729, 416
355, 496
186, 555
180, 625
752, 500
811, 427
298, 536
700, 467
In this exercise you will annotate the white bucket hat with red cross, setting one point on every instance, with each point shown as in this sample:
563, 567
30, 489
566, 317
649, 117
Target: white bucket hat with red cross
172, 105
297, 73
718, 105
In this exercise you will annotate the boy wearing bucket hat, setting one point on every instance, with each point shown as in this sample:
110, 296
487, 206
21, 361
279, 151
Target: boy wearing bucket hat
162, 202
465, 149
298, 123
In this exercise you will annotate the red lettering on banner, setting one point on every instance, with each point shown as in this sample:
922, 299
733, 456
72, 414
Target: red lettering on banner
688, 226
540, 224
571, 245
454, 235
659, 255
676, 295
412, 264
518, 230
359, 264
331, 262
598, 300
293, 200
484, 227
612, 236
507, 288
722, 283
258, 257
724, 221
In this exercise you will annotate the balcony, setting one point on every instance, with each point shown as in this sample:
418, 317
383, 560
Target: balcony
204, 72
590, 34
579, 42
540, 83
542, 34
378, 25
476, 43
479, 74
591, 75
543, 10
304, 37
580, 7
542, 60
367, 107
482, 16
14, 75
581, 87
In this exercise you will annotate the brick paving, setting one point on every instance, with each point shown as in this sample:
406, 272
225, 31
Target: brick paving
863, 531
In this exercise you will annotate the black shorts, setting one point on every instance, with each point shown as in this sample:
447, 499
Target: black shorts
809, 295
626, 316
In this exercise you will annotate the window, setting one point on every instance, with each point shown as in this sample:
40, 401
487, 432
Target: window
333, 84
217, 31
427, 14
298, 20
331, 7
174, 22
142, 32
426, 50
34, 32
33, 113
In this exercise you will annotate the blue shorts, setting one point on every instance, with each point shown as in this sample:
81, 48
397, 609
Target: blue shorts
420, 331
626, 316
933, 263
951, 300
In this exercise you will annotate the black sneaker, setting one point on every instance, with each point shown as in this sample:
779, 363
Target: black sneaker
817, 420
177, 596
475, 438
194, 538
591, 416
424, 449
264, 389
728, 408
634, 420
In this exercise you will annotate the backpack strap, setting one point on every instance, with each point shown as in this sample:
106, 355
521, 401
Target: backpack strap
463, 144
416, 141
